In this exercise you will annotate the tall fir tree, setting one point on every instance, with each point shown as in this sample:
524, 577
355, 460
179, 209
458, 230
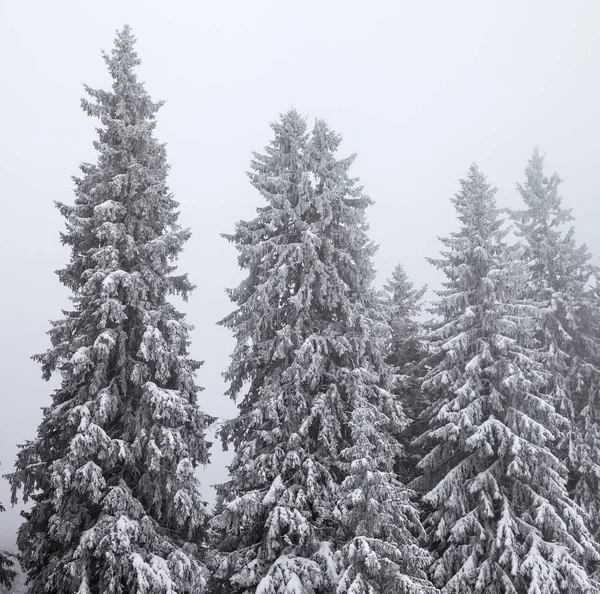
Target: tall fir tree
559, 277
116, 505
312, 504
501, 518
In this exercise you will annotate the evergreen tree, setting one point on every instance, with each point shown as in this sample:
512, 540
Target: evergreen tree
501, 519
315, 426
404, 303
584, 458
381, 528
116, 505
7, 573
406, 353
559, 275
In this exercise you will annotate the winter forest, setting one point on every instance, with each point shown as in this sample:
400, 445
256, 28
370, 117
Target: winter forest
387, 436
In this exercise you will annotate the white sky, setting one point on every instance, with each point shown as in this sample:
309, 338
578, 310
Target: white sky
418, 89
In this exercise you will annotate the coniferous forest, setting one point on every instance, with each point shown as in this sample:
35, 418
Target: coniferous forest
385, 442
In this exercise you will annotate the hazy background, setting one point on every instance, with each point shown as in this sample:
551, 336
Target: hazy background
418, 89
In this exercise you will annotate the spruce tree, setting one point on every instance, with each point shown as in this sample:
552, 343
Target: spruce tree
584, 458
7, 573
315, 434
405, 352
405, 303
501, 518
116, 505
559, 276
380, 526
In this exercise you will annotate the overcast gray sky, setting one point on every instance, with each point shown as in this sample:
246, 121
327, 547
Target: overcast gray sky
418, 89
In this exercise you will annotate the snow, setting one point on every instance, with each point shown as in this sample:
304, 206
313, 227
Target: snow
490, 438
317, 331
117, 504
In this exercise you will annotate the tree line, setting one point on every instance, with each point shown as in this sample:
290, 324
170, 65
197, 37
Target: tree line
374, 453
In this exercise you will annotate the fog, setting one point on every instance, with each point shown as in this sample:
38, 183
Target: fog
419, 90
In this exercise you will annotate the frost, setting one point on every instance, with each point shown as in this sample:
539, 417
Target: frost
501, 518
116, 504
310, 335
559, 286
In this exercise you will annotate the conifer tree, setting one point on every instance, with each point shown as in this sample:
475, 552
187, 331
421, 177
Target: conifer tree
314, 438
380, 526
116, 505
559, 275
405, 352
584, 458
501, 518
7, 573
404, 303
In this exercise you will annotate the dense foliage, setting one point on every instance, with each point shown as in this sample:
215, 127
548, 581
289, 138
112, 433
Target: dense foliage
313, 504
501, 519
116, 505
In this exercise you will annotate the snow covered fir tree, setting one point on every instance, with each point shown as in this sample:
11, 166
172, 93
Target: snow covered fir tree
500, 517
560, 283
7, 571
404, 302
406, 353
373, 452
312, 505
116, 505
